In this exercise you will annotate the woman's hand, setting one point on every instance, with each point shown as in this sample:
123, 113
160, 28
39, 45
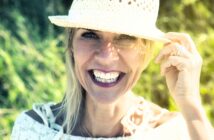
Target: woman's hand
181, 65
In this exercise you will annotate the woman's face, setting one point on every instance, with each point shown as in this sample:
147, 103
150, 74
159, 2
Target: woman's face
106, 64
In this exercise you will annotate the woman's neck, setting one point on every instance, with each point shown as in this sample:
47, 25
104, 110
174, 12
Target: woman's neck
103, 120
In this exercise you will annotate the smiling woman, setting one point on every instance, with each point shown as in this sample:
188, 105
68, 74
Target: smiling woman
102, 57
98, 68
104, 60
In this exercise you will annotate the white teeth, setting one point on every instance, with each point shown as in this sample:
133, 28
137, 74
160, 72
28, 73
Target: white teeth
106, 77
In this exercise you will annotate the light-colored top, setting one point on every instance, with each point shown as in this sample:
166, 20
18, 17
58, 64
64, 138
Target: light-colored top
26, 128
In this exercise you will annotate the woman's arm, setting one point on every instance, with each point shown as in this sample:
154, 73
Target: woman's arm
198, 124
181, 66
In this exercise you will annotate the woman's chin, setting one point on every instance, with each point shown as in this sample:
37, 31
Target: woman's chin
104, 97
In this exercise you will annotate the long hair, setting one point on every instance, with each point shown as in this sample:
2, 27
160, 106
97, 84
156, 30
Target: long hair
72, 105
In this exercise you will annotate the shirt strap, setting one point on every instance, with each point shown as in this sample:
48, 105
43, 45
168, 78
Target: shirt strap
46, 114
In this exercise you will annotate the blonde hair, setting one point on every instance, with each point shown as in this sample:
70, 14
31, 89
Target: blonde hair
74, 98
148, 49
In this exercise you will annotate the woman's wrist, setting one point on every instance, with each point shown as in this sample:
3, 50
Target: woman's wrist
196, 119
191, 107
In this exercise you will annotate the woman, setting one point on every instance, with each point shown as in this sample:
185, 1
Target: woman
108, 48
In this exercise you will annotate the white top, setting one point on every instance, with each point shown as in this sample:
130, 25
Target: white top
26, 128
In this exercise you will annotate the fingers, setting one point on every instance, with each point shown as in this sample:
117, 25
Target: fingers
181, 45
183, 39
172, 49
173, 62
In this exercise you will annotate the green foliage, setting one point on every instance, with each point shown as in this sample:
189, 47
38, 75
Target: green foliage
31, 60
32, 54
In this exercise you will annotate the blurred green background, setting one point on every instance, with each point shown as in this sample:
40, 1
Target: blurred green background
32, 54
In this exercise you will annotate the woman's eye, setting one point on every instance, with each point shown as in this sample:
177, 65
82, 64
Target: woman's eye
125, 40
90, 35
126, 37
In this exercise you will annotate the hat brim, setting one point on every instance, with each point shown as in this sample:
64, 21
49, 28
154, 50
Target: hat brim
151, 34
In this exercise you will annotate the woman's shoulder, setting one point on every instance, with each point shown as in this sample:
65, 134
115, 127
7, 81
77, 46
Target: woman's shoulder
35, 123
167, 124
161, 116
31, 113
155, 113
151, 121
43, 111
26, 127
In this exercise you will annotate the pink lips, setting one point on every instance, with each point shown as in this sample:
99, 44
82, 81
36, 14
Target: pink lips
105, 85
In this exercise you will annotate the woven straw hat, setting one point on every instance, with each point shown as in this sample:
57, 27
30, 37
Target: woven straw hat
131, 17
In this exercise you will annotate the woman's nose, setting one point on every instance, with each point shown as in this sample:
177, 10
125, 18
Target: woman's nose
107, 52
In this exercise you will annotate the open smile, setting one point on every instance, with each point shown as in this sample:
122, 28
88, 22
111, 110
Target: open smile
105, 79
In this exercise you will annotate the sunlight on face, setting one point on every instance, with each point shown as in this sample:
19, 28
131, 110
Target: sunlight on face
119, 41
107, 64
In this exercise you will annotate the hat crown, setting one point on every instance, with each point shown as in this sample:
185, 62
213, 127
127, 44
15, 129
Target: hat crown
133, 12
131, 17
